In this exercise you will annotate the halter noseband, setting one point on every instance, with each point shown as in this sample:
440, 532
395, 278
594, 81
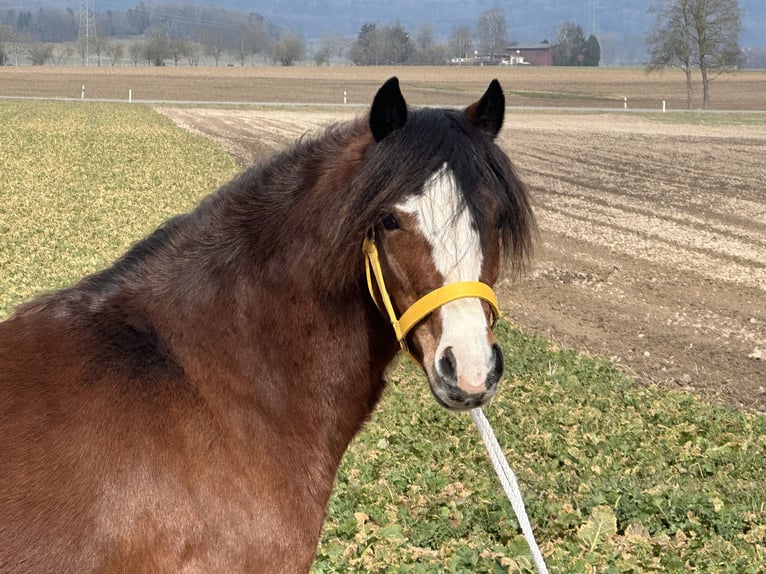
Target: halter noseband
426, 304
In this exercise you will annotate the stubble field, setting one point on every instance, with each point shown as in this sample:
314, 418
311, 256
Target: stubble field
524, 85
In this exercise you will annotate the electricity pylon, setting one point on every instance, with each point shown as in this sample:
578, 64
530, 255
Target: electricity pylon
87, 29
593, 18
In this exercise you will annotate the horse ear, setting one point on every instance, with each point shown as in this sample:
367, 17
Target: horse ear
389, 110
487, 114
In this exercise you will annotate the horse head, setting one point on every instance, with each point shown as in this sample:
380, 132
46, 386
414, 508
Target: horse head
436, 250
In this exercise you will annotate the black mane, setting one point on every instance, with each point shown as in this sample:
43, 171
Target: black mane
400, 165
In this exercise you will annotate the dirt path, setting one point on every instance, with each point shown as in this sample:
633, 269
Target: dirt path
653, 238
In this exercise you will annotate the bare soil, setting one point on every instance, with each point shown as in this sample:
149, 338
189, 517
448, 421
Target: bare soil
524, 85
652, 249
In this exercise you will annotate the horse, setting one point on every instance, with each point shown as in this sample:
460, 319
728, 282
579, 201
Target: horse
186, 409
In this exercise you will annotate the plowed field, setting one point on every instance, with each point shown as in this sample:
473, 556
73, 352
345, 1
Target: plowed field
652, 248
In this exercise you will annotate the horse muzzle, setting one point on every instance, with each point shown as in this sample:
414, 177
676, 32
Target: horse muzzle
458, 383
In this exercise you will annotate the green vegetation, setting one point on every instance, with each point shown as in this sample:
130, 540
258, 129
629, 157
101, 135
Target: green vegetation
616, 477
80, 182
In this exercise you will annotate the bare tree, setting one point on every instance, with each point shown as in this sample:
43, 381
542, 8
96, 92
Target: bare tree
6, 33
157, 47
136, 52
701, 34
716, 26
492, 31
177, 50
670, 42
288, 50
63, 52
192, 52
115, 52
100, 46
460, 43
332, 45
427, 51
40, 53
397, 44
213, 43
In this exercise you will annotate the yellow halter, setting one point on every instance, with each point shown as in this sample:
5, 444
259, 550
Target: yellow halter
426, 304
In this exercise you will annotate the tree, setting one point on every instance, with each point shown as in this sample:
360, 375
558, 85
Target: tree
212, 43
157, 47
570, 50
670, 43
427, 51
397, 45
136, 51
332, 45
6, 33
40, 53
100, 46
115, 52
17, 44
492, 31
366, 50
592, 51
192, 51
460, 44
253, 38
176, 50
701, 34
62, 53
288, 50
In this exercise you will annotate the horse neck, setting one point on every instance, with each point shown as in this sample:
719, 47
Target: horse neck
269, 341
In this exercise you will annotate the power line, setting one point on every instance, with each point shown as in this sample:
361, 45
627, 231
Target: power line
181, 19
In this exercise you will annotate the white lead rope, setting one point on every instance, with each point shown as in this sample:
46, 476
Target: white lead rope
510, 485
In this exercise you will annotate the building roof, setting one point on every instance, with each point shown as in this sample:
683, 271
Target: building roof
541, 46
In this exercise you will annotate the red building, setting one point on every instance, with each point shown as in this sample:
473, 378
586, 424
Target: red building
535, 55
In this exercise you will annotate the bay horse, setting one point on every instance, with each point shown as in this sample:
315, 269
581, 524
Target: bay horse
187, 408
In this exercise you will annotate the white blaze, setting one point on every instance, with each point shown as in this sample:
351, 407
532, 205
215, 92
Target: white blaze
457, 255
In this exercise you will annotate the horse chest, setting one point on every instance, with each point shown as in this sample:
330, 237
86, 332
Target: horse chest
219, 521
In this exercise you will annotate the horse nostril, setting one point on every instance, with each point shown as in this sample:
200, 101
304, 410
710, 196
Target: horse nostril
496, 369
447, 366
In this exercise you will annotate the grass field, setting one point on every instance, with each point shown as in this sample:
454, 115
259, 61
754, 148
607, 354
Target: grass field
524, 85
80, 183
617, 478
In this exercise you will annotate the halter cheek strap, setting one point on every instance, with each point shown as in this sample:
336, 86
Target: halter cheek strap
426, 304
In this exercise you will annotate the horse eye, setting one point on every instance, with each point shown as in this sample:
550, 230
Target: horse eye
390, 222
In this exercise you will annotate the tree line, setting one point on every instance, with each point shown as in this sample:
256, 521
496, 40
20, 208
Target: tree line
178, 33
376, 45
183, 34
698, 36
